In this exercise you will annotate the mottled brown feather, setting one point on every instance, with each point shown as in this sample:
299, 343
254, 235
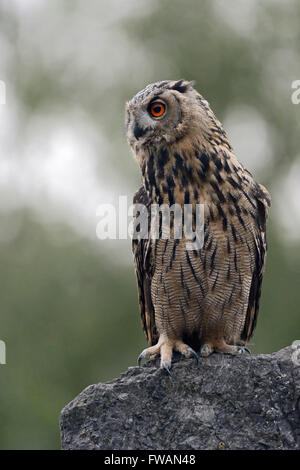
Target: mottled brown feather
143, 275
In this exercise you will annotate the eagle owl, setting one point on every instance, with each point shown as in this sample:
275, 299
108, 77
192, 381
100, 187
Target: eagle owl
203, 299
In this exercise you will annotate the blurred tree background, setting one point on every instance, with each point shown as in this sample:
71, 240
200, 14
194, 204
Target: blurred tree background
69, 312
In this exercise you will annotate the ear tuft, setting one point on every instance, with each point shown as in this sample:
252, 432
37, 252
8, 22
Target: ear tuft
182, 86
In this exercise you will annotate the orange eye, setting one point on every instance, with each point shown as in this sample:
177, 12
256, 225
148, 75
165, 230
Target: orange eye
157, 109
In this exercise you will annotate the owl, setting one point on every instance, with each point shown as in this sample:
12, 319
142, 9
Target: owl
203, 299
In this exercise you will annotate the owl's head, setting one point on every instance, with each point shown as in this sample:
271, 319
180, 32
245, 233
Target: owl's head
164, 112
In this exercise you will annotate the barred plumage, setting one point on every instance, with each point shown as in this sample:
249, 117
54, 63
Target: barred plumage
205, 299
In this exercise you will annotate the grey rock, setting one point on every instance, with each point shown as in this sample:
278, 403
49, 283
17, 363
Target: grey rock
231, 402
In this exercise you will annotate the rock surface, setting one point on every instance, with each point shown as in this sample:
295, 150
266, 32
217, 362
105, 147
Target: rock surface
231, 402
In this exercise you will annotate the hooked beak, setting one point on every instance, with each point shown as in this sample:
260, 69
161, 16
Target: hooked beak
138, 131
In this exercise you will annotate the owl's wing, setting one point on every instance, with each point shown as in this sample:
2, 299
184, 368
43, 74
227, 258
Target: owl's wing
263, 203
142, 259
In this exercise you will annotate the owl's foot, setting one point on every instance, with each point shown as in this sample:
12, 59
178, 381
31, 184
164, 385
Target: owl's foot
208, 348
233, 350
149, 353
165, 348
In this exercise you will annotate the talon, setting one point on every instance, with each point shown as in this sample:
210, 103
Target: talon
244, 349
195, 355
141, 356
166, 367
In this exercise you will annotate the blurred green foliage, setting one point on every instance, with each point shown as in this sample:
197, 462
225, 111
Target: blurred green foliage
69, 312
